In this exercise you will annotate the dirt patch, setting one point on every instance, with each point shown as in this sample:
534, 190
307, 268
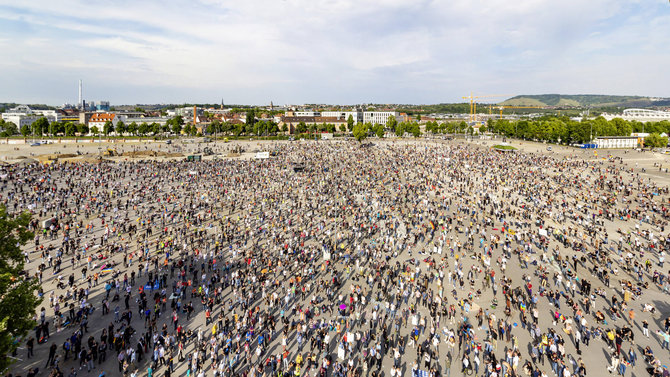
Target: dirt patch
139, 154
85, 159
55, 156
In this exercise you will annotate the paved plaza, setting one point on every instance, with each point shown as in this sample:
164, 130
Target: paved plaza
331, 258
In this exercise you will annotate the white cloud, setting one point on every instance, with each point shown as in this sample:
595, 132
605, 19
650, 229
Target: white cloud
334, 50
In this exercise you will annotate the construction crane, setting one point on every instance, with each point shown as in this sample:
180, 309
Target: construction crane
503, 107
473, 103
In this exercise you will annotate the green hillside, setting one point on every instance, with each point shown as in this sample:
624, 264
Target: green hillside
580, 100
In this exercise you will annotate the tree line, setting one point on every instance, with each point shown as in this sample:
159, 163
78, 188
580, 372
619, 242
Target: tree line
568, 131
548, 128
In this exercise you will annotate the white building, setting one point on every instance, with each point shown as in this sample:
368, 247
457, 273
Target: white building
640, 115
23, 115
614, 142
99, 119
357, 116
378, 117
148, 120
307, 114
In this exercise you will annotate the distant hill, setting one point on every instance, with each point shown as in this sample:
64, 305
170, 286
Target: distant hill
585, 100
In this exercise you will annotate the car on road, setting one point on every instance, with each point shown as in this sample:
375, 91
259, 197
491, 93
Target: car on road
548, 148
36, 144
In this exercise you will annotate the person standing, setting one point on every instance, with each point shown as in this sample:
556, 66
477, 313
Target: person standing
666, 339
632, 357
30, 345
615, 363
447, 365
52, 355
622, 366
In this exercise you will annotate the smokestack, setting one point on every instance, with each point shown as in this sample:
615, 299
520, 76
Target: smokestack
81, 104
194, 115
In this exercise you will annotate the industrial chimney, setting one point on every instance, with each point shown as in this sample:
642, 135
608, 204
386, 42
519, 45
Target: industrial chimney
81, 104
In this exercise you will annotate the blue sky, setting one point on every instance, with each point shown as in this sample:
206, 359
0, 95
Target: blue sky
331, 51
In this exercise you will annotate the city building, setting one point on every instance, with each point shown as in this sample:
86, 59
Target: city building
357, 116
292, 121
611, 142
378, 117
640, 115
23, 115
102, 106
68, 114
99, 119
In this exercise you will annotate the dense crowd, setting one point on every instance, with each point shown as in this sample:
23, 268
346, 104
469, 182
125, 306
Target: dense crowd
336, 259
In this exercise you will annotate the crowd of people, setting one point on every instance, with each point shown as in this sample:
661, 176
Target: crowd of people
340, 259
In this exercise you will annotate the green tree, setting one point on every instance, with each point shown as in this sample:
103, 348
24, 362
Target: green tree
143, 129
25, 130
82, 129
274, 128
343, 127
360, 132
415, 130
623, 128
284, 127
56, 128
239, 128
216, 125
378, 130
251, 117
108, 127
17, 291
40, 126
350, 123
655, 141
10, 128
462, 126
400, 130
121, 128
176, 128
132, 128
301, 128
483, 129
248, 128
391, 123
94, 130
70, 129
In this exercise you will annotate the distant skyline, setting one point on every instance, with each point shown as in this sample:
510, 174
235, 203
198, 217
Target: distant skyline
333, 51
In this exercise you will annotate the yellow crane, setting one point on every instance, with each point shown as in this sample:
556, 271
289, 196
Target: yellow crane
473, 103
